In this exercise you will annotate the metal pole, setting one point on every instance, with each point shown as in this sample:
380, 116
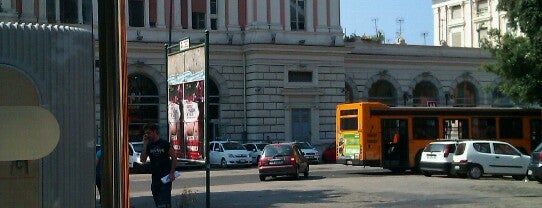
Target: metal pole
170, 14
205, 129
113, 103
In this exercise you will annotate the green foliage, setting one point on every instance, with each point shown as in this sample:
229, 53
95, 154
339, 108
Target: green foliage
518, 57
188, 199
378, 38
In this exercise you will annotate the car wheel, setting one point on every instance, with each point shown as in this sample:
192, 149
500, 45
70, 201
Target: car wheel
223, 163
306, 173
475, 172
518, 177
262, 178
296, 174
426, 173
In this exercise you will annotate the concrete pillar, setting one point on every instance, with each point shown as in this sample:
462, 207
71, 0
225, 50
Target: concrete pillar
334, 16
261, 14
275, 15
233, 15
160, 13
309, 18
28, 11
57, 11
322, 26
208, 14
287, 15
177, 12
250, 13
436, 27
42, 11
146, 14
221, 15
189, 10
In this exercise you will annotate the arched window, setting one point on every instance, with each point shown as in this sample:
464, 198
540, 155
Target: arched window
384, 92
465, 95
143, 104
424, 93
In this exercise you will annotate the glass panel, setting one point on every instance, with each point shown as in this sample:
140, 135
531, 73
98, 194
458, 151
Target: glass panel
425, 128
511, 128
456, 129
349, 124
484, 128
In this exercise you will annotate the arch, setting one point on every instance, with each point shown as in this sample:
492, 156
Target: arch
153, 74
144, 98
221, 83
383, 88
466, 91
349, 81
426, 88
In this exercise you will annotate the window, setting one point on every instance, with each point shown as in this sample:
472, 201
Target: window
482, 7
349, 123
425, 128
143, 104
484, 128
465, 95
511, 128
456, 129
213, 24
297, 15
136, 13
456, 39
68, 12
456, 12
198, 20
299, 76
504, 149
213, 7
482, 147
384, 92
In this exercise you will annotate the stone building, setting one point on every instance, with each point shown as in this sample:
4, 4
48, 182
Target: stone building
278, 68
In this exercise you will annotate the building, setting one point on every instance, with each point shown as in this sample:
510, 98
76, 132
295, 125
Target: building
460, 23
278, 68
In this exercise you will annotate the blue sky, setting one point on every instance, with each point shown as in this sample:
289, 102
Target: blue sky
417, 15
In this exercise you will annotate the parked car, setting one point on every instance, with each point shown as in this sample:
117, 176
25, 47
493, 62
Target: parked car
134, 163
255, 149
535, 166
329, 155
282, 159
437, 157
310, 153
228, 153
475, 158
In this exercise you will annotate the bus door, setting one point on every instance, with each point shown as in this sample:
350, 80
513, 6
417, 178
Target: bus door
395, 144
536, 133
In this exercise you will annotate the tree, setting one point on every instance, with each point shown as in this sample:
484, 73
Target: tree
518, 56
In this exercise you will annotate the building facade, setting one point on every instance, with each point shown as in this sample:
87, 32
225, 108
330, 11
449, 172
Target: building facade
464, 23
278, 67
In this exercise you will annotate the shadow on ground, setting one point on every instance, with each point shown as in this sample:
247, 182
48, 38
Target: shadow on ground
245, 199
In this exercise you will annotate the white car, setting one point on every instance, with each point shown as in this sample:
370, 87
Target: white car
310, 153
437, 157
228, 153
134, 151
475, 158
255, 149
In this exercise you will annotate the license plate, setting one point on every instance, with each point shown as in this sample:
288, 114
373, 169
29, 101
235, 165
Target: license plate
431, 156
242, 161
309, 156
277, 162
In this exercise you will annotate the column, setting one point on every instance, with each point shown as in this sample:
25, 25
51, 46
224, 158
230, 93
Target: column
436, 27
80, 11
275, 15
334, 16
322, 26
28, 11
57, 11
287, 15
160, 23
221, 15
42, 11
189, 11
146, 14
469, 28
261, 14
127, 13
208, 14
95, 12
309, 19
233, 15
177, 12
250, 13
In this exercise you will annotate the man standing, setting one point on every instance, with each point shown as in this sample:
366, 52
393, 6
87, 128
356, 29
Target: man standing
163, 162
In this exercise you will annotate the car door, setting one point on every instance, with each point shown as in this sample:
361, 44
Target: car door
507, 160
213, 153
483, 155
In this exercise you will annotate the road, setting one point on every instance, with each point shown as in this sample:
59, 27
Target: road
334, 185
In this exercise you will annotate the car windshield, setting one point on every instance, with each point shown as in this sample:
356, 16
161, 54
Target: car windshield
277, 150
261, 146
539, 148
233, 146
138, 147
304, 145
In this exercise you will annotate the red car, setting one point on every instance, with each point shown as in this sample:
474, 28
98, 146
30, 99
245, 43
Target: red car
329, 155
282, 159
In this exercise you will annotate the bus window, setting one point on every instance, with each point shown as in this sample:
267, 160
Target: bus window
456, 129
484, 128
425, 128
511, 128
349, 124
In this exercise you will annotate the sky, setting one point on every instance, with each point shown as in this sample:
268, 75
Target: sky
357, 17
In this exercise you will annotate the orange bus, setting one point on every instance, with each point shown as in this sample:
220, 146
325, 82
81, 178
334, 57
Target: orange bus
374, 134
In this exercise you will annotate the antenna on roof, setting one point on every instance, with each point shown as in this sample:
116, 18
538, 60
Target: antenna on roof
400, 21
